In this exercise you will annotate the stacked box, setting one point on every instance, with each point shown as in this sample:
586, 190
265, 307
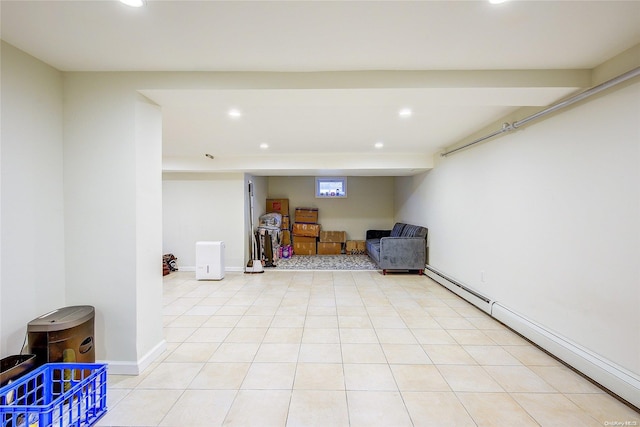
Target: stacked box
285, 222
278, 205
329, 248
331, 242
304, 245
355, 247
306, 215
333, 236
306, 230
286, 237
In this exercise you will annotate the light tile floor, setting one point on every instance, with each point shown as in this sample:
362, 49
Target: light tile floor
346, 348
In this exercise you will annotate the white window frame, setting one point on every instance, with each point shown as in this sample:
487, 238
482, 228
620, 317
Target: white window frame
327, 179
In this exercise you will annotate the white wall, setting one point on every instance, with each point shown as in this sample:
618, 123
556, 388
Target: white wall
550, 214
113, 214
100, 208
81, 209
149, 333
32, 279
200, 206
369, 205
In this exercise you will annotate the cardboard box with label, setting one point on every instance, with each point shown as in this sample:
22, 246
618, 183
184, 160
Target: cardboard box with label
306, 230
286, 238
285, 222
278, 205
306, 215
333, 236
329, 248
304, 245
355, 247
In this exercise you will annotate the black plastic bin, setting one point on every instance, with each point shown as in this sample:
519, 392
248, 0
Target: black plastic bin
13, 367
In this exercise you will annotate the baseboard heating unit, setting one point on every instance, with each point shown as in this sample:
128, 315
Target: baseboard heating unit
463, 291
620, 381
615, 378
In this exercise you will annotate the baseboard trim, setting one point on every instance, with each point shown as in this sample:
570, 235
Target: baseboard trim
119, 367
193, 268
151, 355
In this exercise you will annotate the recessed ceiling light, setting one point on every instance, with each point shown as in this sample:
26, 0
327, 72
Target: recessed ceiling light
264, 145
209, 156
378, 145
235, 113
134, 3
497, 1
405, 112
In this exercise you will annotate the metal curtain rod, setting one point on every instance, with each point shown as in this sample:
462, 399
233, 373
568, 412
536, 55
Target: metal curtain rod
507, 127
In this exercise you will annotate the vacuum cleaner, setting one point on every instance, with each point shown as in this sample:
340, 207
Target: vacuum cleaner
255, 263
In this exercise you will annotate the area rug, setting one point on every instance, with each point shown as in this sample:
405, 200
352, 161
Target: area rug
327, 262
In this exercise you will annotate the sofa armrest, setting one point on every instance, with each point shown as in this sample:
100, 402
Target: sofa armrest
377, 234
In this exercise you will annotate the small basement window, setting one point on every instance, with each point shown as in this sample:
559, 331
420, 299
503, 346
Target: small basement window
332, 188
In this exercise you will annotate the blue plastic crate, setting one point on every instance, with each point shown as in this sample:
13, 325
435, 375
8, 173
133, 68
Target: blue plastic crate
56, 395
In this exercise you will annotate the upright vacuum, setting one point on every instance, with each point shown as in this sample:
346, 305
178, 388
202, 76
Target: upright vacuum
255, 263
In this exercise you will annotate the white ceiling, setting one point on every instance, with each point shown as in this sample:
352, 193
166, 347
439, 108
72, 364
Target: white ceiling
397, 52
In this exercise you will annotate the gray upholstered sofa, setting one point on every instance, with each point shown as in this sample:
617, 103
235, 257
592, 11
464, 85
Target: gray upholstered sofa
403, 248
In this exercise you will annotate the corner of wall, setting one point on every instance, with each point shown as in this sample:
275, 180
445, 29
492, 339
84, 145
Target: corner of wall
621, 63
119, 367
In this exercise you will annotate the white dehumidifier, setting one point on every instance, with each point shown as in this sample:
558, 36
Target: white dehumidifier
209, 260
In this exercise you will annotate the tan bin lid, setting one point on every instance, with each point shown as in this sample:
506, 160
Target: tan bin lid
61, 319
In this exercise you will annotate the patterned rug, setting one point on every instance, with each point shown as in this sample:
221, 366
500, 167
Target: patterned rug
327, 262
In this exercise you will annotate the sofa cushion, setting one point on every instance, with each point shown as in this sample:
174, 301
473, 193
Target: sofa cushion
413, 231
397, 229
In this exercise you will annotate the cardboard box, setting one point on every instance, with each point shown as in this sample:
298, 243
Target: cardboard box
286, 238
278, 205
304, 245
307, 230
333, 236
306, 215
355, 247
304, 239
285, 222
329, 248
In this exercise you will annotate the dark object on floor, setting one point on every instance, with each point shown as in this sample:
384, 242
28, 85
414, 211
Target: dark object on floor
268, 252
403, 248
269, 235
169, 264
